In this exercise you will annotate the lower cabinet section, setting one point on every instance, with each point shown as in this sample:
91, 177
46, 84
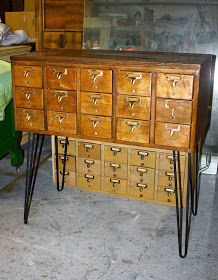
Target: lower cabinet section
142, 174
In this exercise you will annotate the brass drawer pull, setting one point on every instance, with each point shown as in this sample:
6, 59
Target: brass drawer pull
62, 158
89, 177
27, 73
59, 118
169, 191
169, 175
95, 74
28, 95
141, 187
172, 108
132, 101
142, 171
95, 98
172, 130
115, 150
89, 162
115, 182
132, 125
60, 73
28, 116
115, 166
63, 142
66, 173
170, 159
95, 122
60, 95
133, 77
143, 154
88, 147
173, 80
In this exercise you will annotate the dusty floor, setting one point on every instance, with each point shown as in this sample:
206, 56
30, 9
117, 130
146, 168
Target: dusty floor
77, 235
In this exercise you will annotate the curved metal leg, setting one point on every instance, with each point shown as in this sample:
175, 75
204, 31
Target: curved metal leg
183, 225
35, 144
63, 172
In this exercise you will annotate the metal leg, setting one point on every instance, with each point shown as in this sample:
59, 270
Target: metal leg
183, 233
35, 144
57, 164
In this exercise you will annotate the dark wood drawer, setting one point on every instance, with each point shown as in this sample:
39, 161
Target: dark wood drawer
29, 97
62, 122
137, 83
175, 86
129, 106
59, 100
96, 80
27, 76
61, 78
96, 103
133, 130
29, 119
174, 111
94, 126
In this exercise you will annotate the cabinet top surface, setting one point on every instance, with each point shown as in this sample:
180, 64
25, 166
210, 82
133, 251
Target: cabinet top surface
115, 57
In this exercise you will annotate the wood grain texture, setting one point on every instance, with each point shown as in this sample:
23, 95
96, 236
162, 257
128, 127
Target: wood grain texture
61, 121
62, 101
29, 119
27, 76
89, 166
143, 158
113, 153
115, 170
89, 150
142, 174
116, 186
29, 97
61, 78
54, 14
139, 190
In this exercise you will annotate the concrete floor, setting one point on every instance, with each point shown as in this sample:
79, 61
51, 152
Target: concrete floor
77, 235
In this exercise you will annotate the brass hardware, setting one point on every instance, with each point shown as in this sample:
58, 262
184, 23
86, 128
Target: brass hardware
115, 182
63, 142
60, 95
115, 150
60, 73
132, 101
141, 187
89, 162
95, 122
172, 108
27, 73
142, 171
88, 147
95, 74
169, 175
89, 177
132, 125
60, 118
143, 154
28, 116
170, 159
173, 80
115, 166
27, 94
172, 130
95, 98
62, 158
169, 191
67, 173
133, 77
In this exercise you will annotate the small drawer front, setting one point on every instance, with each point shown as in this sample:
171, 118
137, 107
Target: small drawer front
129, 106
133, 130
89, 181
69, 178
116, 186
172, 135
89, 166
143, 158
166, 195
142, 174
115, 170
175, 86
166, 178
115, 154
93, 126
96, 103
70, 163
173, 111
29, 97
141, 190
59, 100
96, 80
28, 76
89, 150
64, 122
166, 162
30, 119
137, 83
71, 146
61, 78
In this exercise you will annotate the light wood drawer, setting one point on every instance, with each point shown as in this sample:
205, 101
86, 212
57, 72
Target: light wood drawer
30, 119
29, 97
137, 83
166, 178
141, 190
174, 111
89, 181
175, 86
94, 126
142, 174
129, 106
96, 80
89, 166
71, 146
116, 186
61, 122
143, 158
166, 162
27, 76
89, 150
61, 78
96, 103
69, 179
70, 163
59, 100
133, 130
115, 170
168, 134
115, 154
166, 195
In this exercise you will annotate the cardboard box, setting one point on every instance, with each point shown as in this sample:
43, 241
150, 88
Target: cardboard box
29, 5
21, 21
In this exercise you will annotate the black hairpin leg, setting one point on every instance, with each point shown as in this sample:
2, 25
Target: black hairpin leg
57, 164
35, 144
183, 232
